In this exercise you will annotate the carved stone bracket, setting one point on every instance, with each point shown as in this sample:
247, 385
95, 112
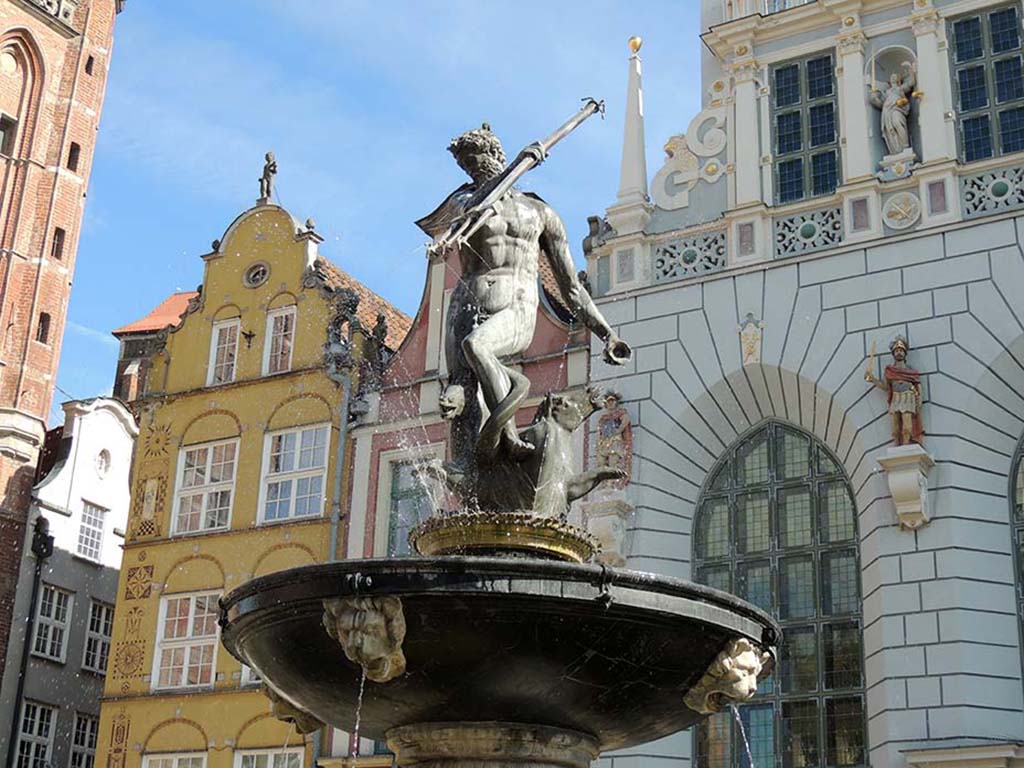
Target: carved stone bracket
371, 630
906, 470
731, 678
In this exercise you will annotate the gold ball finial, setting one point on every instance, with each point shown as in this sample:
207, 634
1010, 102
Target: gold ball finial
635, 43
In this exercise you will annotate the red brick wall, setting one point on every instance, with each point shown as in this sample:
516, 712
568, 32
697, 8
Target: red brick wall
55, 103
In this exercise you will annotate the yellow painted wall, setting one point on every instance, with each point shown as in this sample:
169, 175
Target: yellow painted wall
180, 410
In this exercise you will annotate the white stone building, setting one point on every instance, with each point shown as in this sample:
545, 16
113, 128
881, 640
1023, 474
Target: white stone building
785, 239
83, 493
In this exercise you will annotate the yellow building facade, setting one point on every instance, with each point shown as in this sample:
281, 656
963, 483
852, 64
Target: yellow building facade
239, 471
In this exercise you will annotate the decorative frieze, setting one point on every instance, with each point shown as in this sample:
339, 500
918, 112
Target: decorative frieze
690, 256
992, 192
808, 231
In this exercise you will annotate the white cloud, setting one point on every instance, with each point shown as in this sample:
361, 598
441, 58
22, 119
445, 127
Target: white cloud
100, 337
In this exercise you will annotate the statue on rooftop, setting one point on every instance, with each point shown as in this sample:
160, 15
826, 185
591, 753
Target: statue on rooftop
894, 103
500, 234
267, 178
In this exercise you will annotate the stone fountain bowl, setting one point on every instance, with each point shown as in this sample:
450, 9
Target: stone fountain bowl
583, 648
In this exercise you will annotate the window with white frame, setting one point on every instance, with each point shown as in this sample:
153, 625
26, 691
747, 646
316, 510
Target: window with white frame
97, 637
35, 735
223, 352
269, 758
83, 741
988, 79
294, 467
277, 352
186, 641
182, 760
52, 619
250, 676
90, 532
805, 138
410, 505
206, 483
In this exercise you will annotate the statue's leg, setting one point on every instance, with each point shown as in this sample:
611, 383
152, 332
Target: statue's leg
908, 428
504, 333
465, 425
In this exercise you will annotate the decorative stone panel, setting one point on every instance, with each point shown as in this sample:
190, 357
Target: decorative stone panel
992, 192
689, 256
808, 231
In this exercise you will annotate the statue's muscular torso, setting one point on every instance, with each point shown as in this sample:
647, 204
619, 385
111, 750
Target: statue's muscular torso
500, 265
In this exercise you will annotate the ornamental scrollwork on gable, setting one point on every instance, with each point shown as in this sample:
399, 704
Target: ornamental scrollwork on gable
705, 138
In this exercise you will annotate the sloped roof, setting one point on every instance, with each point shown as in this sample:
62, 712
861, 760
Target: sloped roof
170, 310
370, 304
167, 312
550, 285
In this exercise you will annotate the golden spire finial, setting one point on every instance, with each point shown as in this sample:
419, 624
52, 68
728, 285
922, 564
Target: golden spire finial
635, 43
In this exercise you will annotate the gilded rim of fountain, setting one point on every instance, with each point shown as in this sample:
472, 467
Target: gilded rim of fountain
521, 532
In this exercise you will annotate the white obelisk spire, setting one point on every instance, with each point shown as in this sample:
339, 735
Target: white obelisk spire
632, 205
633, 178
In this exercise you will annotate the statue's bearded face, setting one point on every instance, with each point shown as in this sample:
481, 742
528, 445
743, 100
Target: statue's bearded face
899, 353
480, 166
894, 80
479, 153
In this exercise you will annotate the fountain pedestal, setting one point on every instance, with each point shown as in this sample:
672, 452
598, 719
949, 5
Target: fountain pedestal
490, 745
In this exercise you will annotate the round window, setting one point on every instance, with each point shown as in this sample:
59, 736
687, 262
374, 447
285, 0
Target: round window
103, 462
256, 274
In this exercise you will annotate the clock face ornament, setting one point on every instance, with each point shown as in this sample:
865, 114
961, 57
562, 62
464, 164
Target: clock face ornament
902, 210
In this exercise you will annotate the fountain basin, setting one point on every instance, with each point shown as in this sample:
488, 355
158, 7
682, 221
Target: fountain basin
580, 648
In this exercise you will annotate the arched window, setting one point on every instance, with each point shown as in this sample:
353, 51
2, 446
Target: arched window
777, 526
1017, 521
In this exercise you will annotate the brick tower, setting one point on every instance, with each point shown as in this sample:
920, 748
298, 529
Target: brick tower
54, 56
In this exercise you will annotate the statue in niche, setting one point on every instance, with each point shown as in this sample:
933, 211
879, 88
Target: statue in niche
894, 103
267, 177
902, 385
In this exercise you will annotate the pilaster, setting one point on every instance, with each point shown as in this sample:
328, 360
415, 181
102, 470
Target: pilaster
853, 104
936, 138
747, 141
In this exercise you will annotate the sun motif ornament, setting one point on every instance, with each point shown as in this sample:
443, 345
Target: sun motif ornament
157, 441
901, 211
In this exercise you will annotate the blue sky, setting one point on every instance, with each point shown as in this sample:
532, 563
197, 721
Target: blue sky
358, 100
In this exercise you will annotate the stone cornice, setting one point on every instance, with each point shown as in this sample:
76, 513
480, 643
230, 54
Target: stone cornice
757, 28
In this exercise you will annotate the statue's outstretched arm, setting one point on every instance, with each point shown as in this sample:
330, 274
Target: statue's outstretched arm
910, 78
555, 243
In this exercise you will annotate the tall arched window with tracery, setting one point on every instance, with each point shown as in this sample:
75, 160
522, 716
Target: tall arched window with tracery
776, 525
1017, 521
